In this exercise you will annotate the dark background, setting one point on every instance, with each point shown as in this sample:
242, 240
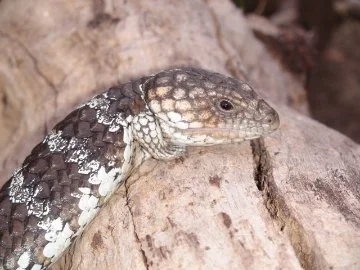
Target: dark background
320, 40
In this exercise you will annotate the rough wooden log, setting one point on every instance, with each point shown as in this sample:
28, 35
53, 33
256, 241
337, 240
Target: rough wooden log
289, 201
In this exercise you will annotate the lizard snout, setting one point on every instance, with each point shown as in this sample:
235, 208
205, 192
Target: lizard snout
271, 119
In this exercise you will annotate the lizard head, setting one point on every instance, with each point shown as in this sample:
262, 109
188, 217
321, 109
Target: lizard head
198, 107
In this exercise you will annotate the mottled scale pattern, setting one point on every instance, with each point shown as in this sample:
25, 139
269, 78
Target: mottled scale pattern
65, 180
189, 105
43, 196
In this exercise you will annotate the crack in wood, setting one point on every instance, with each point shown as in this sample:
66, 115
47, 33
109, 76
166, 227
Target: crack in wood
279, 211
142, 251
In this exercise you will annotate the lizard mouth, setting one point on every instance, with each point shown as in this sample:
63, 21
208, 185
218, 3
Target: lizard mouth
213, 136
226, 133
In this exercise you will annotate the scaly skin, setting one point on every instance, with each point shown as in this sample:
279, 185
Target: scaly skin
67, 177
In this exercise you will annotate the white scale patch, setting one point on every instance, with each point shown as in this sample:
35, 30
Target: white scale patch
81, 156
101, 105
166, 127
197, 92
105, 180
89, 167
20, 194
23, 261
36, 267
143, 121
55, 141
59, 236
104, 118
152, 125
147, 139
183, 105
253, 105
75, 142
182, 125
85, 190
137, 126
181, 77
145, 130
209, 84
155, 106
78, 156
117, 122
167, 104
38, 209
179, 93
174, 116
163, 116
111, 163
153, 133
141, 88
89, 206
17, 193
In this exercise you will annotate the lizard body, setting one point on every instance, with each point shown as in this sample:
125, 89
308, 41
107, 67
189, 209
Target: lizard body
66, 179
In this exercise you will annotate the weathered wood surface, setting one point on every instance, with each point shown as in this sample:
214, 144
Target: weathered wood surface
289, 201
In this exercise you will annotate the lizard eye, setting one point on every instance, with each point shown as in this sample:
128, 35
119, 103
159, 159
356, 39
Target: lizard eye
226, 105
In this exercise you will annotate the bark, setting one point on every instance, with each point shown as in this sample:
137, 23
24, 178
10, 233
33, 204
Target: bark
288, 201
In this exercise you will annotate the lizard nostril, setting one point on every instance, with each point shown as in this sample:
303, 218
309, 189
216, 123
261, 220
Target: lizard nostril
273, 120
269, 119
